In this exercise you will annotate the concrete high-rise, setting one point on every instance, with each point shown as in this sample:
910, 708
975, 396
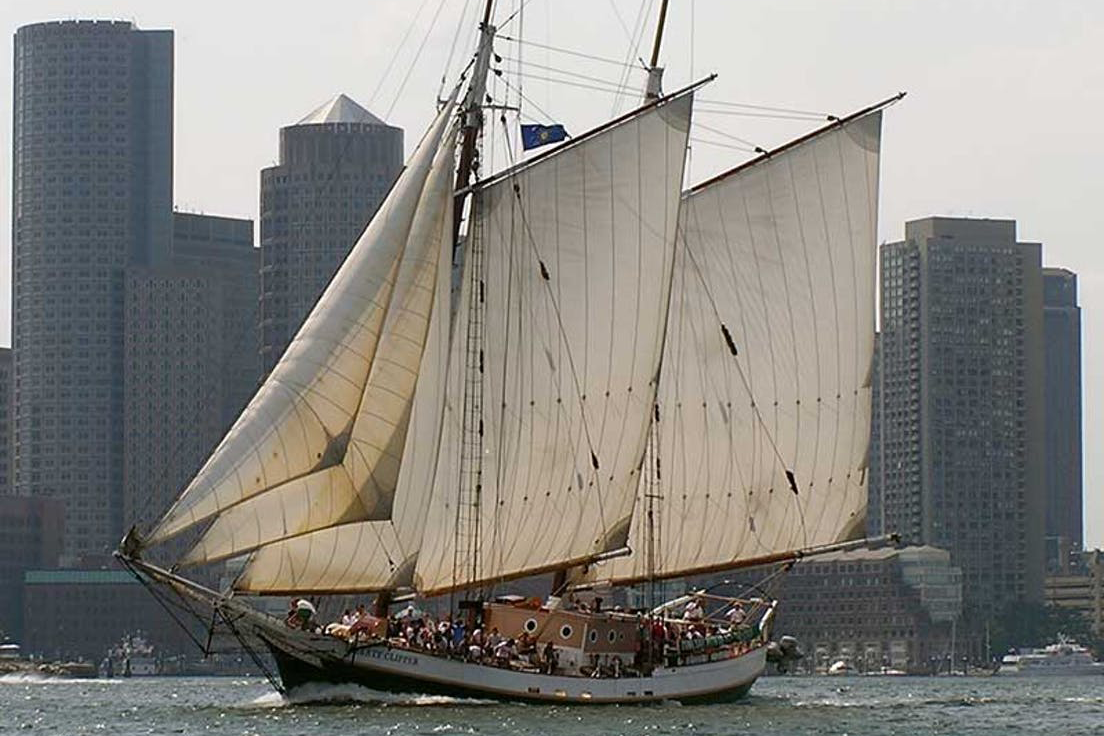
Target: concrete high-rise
1062, 330
336, 166
191, 362
91, 195
6, 385
959, 460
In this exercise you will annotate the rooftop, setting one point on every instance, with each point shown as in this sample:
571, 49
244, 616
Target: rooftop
78, 577
341, 109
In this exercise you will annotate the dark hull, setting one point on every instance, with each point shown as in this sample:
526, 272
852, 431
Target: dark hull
295, 672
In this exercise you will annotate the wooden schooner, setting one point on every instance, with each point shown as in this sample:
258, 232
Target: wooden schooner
572, 366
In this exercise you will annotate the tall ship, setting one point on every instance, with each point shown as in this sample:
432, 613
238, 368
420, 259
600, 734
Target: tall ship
577, 367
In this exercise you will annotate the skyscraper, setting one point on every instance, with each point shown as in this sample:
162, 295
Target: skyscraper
959, 459
191, 362
6, 385
1062, 328
336, 166
91, 195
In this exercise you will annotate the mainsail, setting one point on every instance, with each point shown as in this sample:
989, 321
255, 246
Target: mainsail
308, 452
577, 249
766, 369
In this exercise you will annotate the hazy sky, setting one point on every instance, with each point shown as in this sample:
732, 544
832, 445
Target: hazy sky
1003, 119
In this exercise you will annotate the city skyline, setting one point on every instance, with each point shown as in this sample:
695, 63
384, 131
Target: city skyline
977, 136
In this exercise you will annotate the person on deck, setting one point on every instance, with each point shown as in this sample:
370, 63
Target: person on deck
693, 611
549, 661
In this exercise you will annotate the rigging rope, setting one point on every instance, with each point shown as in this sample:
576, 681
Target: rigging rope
570, 52
633, 50
417, 55
397, 53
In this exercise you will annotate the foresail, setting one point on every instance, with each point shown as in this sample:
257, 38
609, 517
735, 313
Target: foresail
782, 254
298, 427
377, 555
577, 251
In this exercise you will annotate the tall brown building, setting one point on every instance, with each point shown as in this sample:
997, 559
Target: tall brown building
1062, 330
191, 363
31, 532
6, 381
91, 196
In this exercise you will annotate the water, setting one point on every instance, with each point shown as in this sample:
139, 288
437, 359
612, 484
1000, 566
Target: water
855, 706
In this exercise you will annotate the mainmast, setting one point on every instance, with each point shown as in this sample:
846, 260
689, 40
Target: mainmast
472, 111
655, 72
468, 531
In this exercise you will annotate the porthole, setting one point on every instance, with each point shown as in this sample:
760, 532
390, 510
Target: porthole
531, 625
593, 636
565, 631
612, 636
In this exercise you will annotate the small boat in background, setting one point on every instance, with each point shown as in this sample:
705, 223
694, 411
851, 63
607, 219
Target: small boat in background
1065, 657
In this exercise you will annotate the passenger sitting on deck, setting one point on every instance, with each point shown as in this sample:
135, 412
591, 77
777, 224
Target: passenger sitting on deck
527, 647
693, 611
458, 634
494, 639
304, 612
505, 652
736, 615
348, 618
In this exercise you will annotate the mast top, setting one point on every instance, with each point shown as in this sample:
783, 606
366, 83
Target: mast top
655, 72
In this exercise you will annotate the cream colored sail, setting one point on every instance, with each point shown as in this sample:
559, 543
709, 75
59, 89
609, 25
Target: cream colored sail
577, 251
781, 253
378, 555
294, 434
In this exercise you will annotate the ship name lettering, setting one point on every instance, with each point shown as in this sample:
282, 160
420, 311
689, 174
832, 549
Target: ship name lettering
392, 656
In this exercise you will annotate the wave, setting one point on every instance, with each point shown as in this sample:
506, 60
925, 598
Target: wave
331, 694
35, 678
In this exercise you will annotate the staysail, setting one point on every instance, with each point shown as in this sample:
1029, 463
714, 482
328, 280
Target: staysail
286, 461
767, 363
576, 250
380, 555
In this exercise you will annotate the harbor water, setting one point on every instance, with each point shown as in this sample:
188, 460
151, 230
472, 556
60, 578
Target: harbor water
805, 706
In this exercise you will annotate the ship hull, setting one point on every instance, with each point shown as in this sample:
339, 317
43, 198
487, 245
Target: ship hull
404, 671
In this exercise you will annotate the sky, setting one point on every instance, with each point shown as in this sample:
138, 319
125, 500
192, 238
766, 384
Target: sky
1003, 116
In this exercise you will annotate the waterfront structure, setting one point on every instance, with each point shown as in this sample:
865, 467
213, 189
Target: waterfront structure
1062, 332
1079, 586
6, 387
335, 167
91, 195
190, 357
73, 614
958, 461
31, 531
893, 608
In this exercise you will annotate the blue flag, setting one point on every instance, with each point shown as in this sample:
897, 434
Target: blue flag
533, 136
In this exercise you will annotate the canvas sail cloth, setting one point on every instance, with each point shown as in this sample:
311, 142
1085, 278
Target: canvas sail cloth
601, 215
299, 456
577, 253
380, 555
782, 252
